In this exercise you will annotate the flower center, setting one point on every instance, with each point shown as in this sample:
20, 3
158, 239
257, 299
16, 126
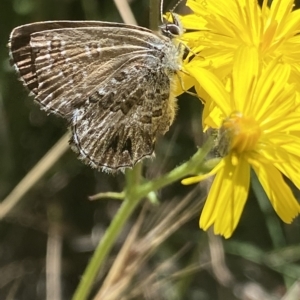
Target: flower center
238, 133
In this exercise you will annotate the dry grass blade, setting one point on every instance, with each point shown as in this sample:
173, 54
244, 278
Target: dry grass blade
54, 261
218, 264
125, 12
34, 175
138, 248
293, 293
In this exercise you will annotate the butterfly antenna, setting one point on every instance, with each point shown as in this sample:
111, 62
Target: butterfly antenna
161, 10
171, 10
175, 6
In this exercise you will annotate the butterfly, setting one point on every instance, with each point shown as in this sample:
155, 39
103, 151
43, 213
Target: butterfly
112, 82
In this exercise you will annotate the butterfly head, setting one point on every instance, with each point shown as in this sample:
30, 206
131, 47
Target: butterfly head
172, 27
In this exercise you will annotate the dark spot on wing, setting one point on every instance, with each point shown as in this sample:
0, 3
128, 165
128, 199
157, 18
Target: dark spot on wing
107, 100
113, 144
120, 76
156, 113
145, 119
128, 147
127, 105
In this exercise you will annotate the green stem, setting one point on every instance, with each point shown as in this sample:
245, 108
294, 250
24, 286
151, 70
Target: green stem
195, 165
134, 193
154, 17
128, 205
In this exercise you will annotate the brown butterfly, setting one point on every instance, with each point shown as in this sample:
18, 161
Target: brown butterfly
111, 81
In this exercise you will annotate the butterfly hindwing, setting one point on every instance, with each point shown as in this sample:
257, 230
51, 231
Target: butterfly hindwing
138, 111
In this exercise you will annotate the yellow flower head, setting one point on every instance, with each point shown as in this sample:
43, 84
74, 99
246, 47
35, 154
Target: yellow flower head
258, 122
225, 26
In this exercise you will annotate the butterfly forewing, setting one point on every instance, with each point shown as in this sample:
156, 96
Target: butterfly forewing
110, 81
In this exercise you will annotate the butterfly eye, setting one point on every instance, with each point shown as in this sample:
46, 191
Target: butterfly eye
171, 30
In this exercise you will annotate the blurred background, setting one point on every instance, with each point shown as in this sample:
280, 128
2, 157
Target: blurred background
56, 224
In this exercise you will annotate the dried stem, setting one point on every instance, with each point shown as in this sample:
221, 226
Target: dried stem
34, 175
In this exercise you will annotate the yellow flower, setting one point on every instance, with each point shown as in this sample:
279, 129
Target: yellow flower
258, 124
273, 31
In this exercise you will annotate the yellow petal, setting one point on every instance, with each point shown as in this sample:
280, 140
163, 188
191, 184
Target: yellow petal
271, 83
212, 85
245, 70
227, 198
199, 178
193, 22
279, 193
280, 9
181, 83
283, 154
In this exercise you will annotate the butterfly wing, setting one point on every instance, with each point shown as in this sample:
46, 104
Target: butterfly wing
110, 80
62, 62
119, 124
